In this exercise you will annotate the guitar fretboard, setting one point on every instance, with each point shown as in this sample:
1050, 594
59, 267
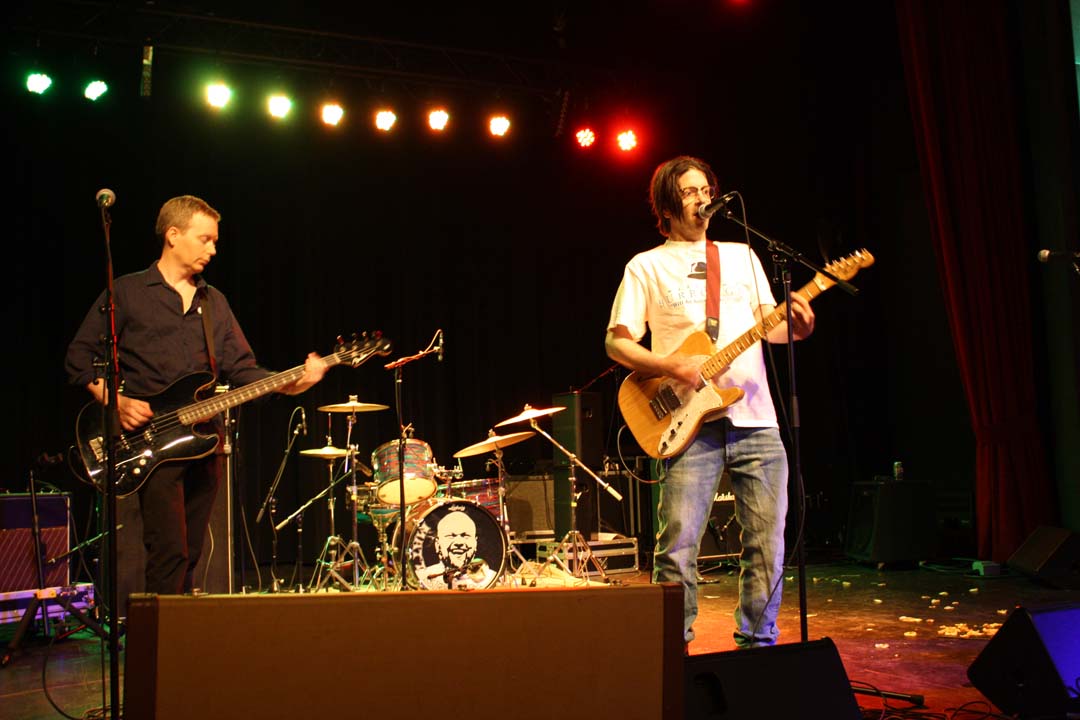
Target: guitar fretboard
204, 409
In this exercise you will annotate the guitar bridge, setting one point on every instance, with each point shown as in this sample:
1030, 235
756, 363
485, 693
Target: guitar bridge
665, 401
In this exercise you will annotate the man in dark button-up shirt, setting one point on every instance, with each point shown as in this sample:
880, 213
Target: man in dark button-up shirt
160, 339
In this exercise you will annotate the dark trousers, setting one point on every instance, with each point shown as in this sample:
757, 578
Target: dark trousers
176, 502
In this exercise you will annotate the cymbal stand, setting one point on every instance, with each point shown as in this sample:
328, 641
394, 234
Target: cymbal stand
327, 565
504, 518
352, 554
379, 575
574, 542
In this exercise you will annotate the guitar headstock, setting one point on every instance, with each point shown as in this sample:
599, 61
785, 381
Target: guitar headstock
846, 267
361, 347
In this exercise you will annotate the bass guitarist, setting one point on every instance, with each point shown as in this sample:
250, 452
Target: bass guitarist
663, 292
169, 324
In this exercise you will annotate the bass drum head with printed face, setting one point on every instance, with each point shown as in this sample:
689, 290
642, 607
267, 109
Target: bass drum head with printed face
452, 544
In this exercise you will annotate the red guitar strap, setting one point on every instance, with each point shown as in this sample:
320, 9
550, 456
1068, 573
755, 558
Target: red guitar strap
712, 290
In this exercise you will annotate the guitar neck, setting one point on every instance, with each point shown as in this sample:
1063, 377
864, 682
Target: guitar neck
715, 364
204, 409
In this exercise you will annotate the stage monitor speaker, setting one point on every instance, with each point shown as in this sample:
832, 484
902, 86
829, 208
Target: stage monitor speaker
18, 568
584, 652
743, 684
1050, 555
891, 521
1031, 667
580, 430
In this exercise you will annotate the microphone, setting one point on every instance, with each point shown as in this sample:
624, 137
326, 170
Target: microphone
105, 198
440, 345
707, 211
1048, 255
303, 421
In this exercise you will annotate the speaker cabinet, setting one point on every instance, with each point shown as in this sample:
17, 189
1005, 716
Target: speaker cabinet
1030, 667
721, 538
742, 684
597, 652
1050, 555
18, 567
891, 521
580, 430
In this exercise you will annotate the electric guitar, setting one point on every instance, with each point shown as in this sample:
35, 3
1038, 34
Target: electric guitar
664, 416
174, 433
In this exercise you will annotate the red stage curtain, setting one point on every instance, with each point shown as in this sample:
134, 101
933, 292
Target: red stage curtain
959, 72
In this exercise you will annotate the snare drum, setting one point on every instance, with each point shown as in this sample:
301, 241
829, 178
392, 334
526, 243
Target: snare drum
420, 482
452, 543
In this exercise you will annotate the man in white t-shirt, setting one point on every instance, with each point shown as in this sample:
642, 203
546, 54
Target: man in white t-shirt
663, 291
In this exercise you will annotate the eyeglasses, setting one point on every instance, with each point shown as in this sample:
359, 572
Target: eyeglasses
709, 191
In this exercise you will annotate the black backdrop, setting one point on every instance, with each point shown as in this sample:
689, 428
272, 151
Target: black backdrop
514, 251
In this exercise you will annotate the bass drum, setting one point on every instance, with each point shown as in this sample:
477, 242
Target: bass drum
452, 544
420, 483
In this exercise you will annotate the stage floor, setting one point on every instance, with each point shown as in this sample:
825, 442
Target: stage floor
902, 630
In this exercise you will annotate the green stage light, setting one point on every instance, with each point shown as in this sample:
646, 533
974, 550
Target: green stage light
218, 95
38, 83
95, 89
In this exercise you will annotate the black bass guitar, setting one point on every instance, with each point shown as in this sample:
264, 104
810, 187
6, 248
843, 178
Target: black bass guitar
174, 433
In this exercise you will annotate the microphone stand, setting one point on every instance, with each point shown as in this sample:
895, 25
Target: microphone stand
112, 430
271, 503
396, 366
781, 255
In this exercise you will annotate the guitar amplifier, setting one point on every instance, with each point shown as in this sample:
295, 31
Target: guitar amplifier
18, 568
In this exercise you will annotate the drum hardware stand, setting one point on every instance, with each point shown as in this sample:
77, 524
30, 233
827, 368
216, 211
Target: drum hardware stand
379, 575
504, 518
327, 569
574, 542
270, 503
299, 512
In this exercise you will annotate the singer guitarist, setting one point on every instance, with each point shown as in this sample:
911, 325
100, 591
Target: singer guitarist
663, 292
162, 337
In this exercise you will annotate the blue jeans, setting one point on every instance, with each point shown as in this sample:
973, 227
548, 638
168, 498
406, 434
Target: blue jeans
757, 463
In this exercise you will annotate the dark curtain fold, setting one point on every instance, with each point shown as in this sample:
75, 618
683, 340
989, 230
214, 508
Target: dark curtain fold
958, 68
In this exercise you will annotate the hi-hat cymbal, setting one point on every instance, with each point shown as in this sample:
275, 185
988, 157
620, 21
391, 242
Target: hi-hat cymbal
494, 442
328, 452
531, 413
353, 406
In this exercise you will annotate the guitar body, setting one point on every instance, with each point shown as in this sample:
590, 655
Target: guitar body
664, 415
164, 439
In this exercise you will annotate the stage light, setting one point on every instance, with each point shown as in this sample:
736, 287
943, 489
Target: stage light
627, 140
38, 83
218, 95
438, 119
95, 89
385, 119
332, 113
585, 137
499, 125
278, 106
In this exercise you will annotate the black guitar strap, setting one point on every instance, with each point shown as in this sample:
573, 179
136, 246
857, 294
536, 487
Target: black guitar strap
208, 330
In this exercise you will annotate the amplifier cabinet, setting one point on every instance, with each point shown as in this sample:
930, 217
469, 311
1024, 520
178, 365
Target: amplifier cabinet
18, 569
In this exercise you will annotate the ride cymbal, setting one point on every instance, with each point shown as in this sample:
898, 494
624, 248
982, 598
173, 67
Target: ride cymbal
353, 406
531, 413
494, 442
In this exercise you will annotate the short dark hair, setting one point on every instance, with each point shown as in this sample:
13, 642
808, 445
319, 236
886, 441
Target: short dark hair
664, 191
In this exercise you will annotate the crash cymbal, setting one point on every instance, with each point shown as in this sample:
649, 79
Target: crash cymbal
531, 413
328, 452
494, 442
353, 406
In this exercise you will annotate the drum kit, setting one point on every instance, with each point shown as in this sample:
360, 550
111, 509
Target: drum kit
453, 533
